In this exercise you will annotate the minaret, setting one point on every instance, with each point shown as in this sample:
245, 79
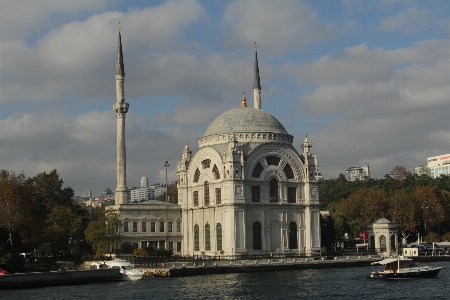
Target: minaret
256, 84
121, 109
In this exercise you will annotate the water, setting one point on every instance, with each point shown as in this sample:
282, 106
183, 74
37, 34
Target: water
347, 283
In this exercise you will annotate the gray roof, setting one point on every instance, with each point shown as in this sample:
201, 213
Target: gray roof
382, 221
246, 119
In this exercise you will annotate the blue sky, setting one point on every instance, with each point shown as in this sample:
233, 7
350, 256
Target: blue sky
368, 81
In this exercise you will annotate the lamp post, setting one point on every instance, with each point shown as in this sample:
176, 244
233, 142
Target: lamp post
425, 219
167, 185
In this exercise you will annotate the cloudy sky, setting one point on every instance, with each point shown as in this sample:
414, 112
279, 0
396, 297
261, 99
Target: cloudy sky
367, 81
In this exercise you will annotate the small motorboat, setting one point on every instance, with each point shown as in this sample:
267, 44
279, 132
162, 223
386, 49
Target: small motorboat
403, 268
126, 269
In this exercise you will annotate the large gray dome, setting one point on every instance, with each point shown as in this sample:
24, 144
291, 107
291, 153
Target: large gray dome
245, 119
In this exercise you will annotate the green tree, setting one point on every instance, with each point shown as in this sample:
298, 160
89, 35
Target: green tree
103, 234
63, 223
14, 203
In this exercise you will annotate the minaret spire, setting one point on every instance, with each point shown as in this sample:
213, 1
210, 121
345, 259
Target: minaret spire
119, 64
121, 109
256, 83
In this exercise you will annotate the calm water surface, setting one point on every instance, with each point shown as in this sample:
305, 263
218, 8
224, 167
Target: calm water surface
349, 283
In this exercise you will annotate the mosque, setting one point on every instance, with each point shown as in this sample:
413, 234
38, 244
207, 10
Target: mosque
245, 190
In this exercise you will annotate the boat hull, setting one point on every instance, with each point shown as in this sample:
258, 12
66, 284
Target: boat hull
422, 273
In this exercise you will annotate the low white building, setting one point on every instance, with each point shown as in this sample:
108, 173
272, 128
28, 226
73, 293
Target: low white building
357, 173
151, 223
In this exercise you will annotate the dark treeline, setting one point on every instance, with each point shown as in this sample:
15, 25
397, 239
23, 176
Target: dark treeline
418, 204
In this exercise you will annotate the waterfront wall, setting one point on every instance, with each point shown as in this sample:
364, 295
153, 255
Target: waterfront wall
171, 269
42, 279
249, 266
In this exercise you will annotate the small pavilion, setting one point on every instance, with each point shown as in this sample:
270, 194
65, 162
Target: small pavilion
383, 237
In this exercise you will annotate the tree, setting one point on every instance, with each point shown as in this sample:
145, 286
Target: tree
173, 193
364, 207
404, 211
46, 192
63, 223
104, 234
14, 198
399, 173
328, 232
432, 211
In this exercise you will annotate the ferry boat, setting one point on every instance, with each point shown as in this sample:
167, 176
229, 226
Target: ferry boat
403, 268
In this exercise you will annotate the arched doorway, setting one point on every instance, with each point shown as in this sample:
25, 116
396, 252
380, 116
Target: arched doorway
257, 244
293, 244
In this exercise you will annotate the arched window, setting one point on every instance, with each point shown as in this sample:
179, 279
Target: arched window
219, 236
382, 243
196, 238
288, 171
195, 196
216, 173
207, 238
273, 190
206, 163
392, 242
206, 193
197, 175
257, 170
293, 236
257, 244
273, 160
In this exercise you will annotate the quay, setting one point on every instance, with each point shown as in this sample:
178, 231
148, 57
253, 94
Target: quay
170, 269
177, 269
43, 279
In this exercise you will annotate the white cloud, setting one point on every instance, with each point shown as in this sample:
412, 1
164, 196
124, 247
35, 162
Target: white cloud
278, 26
389, 104
21, 19
409, 21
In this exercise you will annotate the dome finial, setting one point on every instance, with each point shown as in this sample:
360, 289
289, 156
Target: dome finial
244, 101
119, 28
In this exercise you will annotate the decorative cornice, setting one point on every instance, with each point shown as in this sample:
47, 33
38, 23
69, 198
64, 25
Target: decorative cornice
246, 137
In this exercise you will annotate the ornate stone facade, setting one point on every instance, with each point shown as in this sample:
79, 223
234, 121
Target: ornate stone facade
274, 203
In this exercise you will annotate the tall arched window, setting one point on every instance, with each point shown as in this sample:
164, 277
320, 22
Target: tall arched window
382, 243
257, 244
216, 173
206, 193
219, 236
273, 190
293, 236
196, 238
392, 242
207, 238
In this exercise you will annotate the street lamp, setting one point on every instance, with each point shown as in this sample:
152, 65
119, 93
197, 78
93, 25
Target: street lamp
167, 185
425, 217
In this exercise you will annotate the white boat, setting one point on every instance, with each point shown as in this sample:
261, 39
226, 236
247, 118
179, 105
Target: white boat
126, 269
403, 268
